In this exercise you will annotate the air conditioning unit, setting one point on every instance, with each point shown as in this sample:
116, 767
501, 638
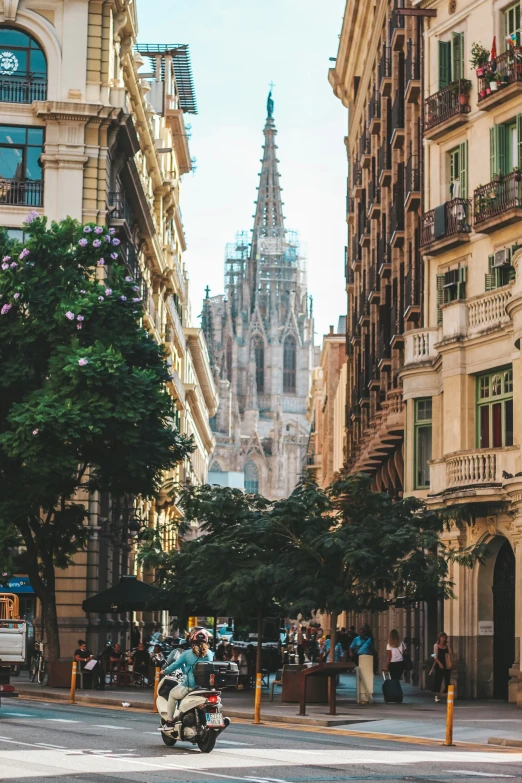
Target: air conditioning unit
502, 257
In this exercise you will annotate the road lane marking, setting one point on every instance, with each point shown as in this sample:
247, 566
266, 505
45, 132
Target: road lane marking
471, 773
235, 742
61, 720
46, 745
20, 714
106, 726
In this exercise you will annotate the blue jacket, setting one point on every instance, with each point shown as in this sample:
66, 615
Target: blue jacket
186, 663
362, 646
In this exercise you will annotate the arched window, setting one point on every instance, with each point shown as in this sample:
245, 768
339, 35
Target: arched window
259, 355
216, 467
289, 365
251, 478
228, 360
23, 68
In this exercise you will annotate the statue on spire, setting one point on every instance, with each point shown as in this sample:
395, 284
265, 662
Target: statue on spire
270, 105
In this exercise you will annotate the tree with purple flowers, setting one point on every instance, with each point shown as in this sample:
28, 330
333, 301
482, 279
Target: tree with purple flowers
83, 406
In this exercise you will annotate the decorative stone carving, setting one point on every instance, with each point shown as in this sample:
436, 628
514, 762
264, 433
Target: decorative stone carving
452, 6
10, 9
492, 526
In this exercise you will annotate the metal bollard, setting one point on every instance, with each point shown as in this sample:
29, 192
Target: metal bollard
257, 703
73, 682
449, 716
156, 683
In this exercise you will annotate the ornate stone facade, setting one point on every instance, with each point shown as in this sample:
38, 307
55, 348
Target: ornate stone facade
260, 336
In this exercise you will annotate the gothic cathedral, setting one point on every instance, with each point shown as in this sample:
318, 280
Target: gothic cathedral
260, 340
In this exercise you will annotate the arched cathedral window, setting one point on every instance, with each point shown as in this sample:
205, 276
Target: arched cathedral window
228, 360
259, 355
23, 68
251, 478
289, 365
216, 467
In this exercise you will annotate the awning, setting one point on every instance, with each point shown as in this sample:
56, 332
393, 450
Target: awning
129, 595
18, 585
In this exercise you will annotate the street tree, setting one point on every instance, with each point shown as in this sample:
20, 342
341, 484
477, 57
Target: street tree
83, 405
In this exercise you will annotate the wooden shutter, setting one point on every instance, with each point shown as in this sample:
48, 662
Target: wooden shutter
491, 280
461, 285
519, 140
457, 60
463, 173
444, 64
492, 152
497, 150
440, 296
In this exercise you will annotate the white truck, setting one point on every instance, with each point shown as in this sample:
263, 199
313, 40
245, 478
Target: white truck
16, 638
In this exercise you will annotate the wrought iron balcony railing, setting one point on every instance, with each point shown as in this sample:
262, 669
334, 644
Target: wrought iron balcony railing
497, 197
412, 63
23, 89
451, 218
385, 64
384, 157
446, 103
398, 111
412, 176
27, 193
508, 70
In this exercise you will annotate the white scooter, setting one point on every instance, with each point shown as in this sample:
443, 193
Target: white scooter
197, 717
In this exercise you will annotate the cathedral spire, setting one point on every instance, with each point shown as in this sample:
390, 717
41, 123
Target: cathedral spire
269, 210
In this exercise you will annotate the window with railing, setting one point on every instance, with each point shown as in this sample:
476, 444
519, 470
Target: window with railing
495, 409
20, 166
23, 68
423, 422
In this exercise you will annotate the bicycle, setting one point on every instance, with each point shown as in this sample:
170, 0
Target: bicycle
38, 667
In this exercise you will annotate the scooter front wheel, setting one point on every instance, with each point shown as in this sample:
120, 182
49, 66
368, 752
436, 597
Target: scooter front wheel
167, 739
206, 745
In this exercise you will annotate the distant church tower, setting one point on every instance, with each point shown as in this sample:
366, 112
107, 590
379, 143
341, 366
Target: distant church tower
260, 339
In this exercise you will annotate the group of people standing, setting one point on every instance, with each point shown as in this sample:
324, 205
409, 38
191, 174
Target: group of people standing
398, 660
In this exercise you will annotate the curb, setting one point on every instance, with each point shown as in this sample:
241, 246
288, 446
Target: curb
96, 701
505, 743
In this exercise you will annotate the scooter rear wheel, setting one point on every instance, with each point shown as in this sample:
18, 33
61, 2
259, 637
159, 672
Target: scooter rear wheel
168, 740
206, 745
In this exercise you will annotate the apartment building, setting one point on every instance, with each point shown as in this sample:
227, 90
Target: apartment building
93, 126
462, 373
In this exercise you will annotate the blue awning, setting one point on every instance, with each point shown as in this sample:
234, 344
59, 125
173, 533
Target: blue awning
18, 585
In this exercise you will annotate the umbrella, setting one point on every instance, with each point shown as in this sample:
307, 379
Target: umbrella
130, 595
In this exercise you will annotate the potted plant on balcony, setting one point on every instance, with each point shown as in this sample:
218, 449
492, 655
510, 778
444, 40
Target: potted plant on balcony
460, 90
491, 82
479, 58
517, 171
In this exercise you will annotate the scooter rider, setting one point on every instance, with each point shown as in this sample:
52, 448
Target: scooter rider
199, 652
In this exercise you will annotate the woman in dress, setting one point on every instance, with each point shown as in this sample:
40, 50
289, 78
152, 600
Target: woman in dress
441, 666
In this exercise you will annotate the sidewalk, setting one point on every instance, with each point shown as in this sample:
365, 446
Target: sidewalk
418, 717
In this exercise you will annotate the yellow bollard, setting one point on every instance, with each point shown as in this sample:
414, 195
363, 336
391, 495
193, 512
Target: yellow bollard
73, 682
156, 683
257, 703
449, 716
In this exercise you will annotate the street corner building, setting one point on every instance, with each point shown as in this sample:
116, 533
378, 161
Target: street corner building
433, 273
260, 339
93, 125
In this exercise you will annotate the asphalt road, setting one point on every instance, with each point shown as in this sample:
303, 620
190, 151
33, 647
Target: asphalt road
52, 743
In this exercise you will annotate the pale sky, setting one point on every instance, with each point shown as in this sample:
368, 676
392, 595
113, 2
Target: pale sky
237, 47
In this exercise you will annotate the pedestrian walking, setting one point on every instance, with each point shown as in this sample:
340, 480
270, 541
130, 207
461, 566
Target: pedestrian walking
395, 650
441, 665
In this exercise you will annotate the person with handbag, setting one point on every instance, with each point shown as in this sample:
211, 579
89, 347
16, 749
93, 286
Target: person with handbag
441, 666
395, 655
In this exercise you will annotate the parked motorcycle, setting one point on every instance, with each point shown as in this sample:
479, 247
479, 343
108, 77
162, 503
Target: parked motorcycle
198, 717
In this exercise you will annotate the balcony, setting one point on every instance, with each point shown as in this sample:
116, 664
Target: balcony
488, 311
412, 183
119, 213
397, 26
384, 257
374, 113
365, 236
476, 472
374, 197
498, 203
365, 149
397, 138
384, 158
447, 109
397, 215
412, 295
507, 78
412, 73
385, 71
150, 313
374, 296
15, 193
419, 346
356, 254
23, 89
447, 226
175, 328
357, 181
384, 434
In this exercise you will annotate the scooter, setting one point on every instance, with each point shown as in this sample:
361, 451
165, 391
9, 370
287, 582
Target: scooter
198, 717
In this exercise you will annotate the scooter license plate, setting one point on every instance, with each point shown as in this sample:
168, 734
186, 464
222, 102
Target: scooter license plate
214, 719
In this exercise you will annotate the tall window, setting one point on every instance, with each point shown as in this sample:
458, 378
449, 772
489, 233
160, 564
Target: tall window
289, 365
251, 478
23, 69
505, 147
423, 439
228, 360
20, 168
451, 60
512, 24
458, 163
495, 409
259, 355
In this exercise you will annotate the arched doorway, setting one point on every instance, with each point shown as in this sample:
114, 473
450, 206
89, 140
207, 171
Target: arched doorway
503, 619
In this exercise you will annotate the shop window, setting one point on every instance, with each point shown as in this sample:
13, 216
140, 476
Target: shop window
23, 68
495, 409
423, 442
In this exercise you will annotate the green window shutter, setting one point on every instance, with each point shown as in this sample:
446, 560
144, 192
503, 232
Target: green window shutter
440, 296
457, 63
519, 140
493, 155
444, 64
501, 149
463, 173
490, 277
461, 285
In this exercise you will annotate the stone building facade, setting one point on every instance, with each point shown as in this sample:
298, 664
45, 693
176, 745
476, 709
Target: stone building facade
94, 127
260, 338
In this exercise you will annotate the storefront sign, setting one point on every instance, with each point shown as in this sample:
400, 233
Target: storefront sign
485, 628
18, 584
